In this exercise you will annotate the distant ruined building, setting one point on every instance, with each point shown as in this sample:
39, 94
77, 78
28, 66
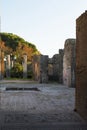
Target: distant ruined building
47, 69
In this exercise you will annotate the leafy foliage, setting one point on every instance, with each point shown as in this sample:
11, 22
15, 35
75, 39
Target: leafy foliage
17, 71
18, 46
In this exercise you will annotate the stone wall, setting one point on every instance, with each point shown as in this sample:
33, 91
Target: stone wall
60, 71
55, 67
36, 67
44, 69
40, 68
69, 63
81, 65
55, 62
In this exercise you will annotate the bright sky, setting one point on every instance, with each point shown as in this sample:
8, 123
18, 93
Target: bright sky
45, 23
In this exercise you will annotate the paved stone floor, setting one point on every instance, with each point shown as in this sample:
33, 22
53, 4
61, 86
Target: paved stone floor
50, 108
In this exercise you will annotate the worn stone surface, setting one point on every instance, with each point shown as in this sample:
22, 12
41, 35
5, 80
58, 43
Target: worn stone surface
40, 68
81, 65
43, 69
55, 67
60, 71
53, 104
36, 67
69, 63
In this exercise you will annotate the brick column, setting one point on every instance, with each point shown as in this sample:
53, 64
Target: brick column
2, 64
8, 66
24, 66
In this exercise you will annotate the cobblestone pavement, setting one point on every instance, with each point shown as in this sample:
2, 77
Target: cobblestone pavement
50, 108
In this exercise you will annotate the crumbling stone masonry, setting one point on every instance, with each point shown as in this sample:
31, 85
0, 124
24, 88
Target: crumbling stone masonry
60, 71
40, 68
81, 65
36, 67
55, 67
69, 63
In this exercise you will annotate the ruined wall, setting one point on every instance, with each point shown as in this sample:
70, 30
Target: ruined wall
43, 69
40, 68
36, 67
55, 67
81, 65
55, 62
60, 71
69, 63
24, 63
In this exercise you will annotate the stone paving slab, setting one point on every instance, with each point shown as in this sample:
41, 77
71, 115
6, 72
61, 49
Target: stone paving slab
62, 126
51, 108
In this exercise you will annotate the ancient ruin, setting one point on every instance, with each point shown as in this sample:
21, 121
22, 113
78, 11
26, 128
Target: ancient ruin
48, 69
8, 66
81, 65
40, 68
69, 63
55, 67
24, 63
69, 67
1, 62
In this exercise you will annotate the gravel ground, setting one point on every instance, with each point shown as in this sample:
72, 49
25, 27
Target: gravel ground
52, 104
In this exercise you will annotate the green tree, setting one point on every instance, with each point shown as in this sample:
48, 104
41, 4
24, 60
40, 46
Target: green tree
17, 71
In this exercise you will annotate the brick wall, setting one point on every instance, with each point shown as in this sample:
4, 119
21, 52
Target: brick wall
40, 68
81, 65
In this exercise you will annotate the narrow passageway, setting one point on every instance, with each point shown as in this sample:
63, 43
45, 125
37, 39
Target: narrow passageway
52, 104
